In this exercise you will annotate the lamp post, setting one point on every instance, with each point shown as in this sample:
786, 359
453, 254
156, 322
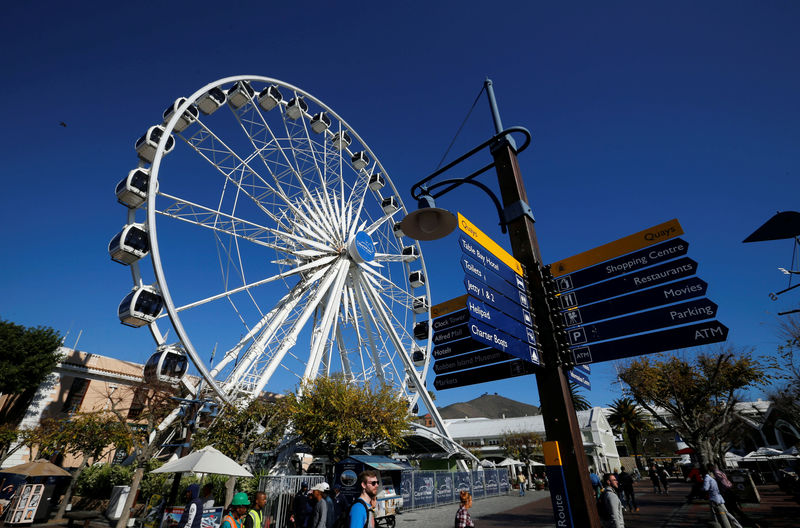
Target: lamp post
559, 416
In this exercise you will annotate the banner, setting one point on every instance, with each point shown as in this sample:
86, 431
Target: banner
423, 488
478, 490
444, 487
491, 481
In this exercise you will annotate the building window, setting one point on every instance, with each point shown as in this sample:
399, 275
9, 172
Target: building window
75, 396
137, 405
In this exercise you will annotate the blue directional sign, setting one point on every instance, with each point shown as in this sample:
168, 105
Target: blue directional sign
637, 301
669, 271
509, 369
675, 315
580, 378
450, 320
471, 360
475, 270
493, 317
685, 336
455, 348
631, 262
511, 307
475, 251
451, 334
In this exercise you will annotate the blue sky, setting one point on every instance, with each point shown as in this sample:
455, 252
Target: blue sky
640, 112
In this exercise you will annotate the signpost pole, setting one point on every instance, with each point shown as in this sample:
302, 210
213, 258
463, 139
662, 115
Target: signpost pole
561, 424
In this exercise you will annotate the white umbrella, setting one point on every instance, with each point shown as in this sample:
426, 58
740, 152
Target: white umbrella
206, 460
509, 462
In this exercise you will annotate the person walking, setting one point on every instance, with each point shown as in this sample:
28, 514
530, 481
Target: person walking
663, 477
728, 493
236, 511
341, 505
362, 511
521, 481
695, 477
193, 511
301, 509
319, 517
330, 507
716, 501
594, 478
653, 473
463, 519
255, 517
610, 505
625, 481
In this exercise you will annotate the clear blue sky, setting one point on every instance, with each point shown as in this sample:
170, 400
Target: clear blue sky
641, 112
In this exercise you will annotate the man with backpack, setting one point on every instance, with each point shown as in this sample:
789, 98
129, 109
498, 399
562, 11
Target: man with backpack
608, 505
362, 513
625, 481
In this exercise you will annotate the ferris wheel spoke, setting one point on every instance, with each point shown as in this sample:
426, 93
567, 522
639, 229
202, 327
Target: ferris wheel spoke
227, 162
348, 371
305, 267
370, 327
290, 339
397, 294
378, 223
394, 336
322, 331
285, 304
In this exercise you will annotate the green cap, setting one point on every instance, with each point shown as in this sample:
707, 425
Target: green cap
240, 499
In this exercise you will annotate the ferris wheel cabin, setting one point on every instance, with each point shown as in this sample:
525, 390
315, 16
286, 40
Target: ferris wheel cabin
418, 357
132, 190
129, 245
377, 181
320, 122
147, 144
188, 117
410, 253
269, 97
359, 160
389, 205
211, 101
421, 330
296, 107
168, 365
140, 307
416, 279
341, 140
398, 231
420, 305
240, 93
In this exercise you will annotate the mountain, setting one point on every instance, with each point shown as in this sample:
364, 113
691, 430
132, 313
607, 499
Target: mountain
488, 406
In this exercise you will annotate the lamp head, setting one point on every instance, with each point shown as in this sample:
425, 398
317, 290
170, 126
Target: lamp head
428, 222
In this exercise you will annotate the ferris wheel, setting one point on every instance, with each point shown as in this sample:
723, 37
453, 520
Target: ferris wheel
272, 234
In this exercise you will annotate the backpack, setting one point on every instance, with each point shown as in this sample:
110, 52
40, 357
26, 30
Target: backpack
602, 507
349, 512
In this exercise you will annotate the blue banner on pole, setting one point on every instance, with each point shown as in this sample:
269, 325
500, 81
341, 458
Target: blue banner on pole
424, 482
492, 484
444, 487
503, 483
478, 487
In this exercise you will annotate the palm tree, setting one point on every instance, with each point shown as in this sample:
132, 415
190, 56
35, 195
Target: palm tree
627, 416
579, 401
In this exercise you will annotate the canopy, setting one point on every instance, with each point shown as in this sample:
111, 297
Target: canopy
206, 460
487, 463
509, 462
38, 468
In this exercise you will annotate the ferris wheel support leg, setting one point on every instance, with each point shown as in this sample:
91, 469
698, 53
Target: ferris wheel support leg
421, 389
323, 330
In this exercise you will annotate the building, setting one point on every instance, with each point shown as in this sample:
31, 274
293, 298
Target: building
81, 382
485, 435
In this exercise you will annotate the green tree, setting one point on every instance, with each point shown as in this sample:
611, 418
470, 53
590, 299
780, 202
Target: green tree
88, 436
334, 416
238, 431
27, 356
695, 397
785, 395
521, 446
8, 440
628, 418
579, 401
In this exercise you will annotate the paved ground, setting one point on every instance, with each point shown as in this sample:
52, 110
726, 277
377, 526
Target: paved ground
776, 510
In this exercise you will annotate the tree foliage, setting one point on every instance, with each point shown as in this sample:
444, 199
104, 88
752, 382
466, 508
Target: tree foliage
579, 401
522, 446
786, 393
695, 397
628, 418
335, 416
27, 356
238, 432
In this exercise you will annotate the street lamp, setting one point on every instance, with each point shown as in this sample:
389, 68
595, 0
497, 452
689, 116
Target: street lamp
516, 217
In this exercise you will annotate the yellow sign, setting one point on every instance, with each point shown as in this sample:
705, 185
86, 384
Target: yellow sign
446, 307
639, 240
552, 456
478, 236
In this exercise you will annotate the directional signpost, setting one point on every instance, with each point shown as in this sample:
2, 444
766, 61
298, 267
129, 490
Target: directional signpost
491, 327
605, 296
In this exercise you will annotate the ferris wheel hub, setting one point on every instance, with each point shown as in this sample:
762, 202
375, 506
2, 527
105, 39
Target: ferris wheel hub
361, 247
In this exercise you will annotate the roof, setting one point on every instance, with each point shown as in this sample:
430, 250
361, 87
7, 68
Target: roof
379, 462
485, 427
